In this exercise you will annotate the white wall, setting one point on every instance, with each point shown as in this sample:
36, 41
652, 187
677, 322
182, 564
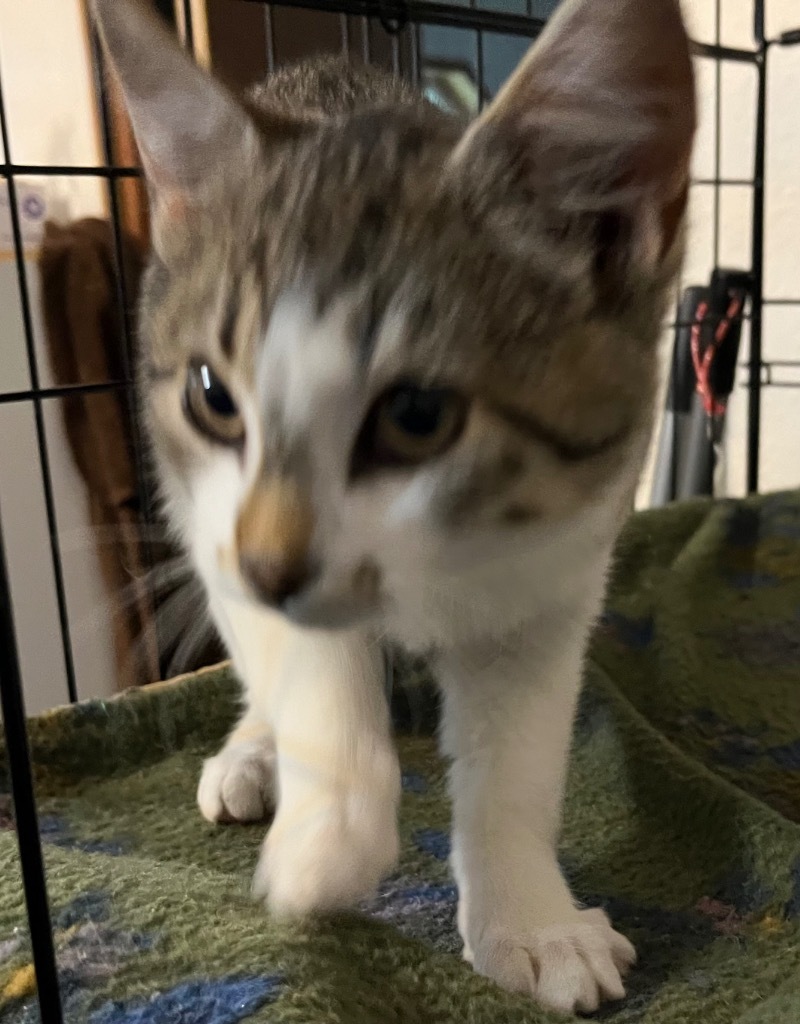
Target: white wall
49, 100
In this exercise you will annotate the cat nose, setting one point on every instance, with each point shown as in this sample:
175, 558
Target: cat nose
274, 580
273, 536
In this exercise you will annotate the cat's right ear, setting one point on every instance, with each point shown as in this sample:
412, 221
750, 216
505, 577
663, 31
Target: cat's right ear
188, 127
595, 127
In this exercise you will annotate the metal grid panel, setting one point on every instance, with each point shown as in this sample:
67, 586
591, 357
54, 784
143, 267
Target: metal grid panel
407, 34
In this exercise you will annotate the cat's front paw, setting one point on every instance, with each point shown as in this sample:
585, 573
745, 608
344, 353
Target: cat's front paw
568, 968
238, 784
327, 859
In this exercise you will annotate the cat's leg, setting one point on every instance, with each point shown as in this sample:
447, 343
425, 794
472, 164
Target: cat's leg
335, 831
507, 727
239, 784
317, 721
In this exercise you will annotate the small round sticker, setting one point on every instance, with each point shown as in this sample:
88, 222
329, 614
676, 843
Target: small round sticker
33, 207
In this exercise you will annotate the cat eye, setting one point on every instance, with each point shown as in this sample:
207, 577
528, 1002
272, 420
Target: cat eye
409, 425
209, 406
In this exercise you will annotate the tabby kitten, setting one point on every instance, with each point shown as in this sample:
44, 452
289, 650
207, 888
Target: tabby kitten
399, 380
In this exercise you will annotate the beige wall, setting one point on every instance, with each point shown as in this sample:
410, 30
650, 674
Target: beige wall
780, 449
49, 100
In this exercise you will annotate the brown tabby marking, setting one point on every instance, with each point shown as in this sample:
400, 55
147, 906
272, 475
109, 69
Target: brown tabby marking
273, 534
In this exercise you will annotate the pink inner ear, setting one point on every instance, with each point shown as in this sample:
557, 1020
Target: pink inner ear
173, 207
168, 201
603, 72
671, 217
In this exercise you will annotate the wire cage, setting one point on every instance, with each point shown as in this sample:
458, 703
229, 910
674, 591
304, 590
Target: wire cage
458, 53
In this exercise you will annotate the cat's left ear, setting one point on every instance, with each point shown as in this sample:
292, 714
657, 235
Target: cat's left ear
596, 126
188, 127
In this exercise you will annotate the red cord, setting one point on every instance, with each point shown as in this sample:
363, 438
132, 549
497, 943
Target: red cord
702, 363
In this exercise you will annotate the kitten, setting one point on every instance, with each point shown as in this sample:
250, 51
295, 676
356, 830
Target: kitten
399, 378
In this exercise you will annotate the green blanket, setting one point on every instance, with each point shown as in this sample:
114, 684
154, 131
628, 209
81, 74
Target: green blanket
682, 821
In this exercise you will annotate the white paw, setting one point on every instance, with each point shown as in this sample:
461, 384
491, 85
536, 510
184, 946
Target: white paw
238, 784
328, 857
568, 968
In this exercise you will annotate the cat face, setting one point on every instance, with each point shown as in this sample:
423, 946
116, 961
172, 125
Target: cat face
390, 368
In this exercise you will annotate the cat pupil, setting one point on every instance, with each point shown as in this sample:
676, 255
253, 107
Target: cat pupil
415, 411
209, 406
216, 394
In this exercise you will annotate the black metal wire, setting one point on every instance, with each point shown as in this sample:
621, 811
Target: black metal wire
393, 16
366, 53
759, 22
416, 59
269, 29
480, 70
41, 433
724, 182
714, 51
717, 131
118, 171
757, 267
424, 12
188, 26
34, 882
63, 391
344, 32
395, 37
68, 170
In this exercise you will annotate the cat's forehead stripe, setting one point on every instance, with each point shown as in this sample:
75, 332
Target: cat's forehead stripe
568, 449
227, 333
157, 374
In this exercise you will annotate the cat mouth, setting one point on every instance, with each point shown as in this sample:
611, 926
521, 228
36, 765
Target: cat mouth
329, 612
311, 607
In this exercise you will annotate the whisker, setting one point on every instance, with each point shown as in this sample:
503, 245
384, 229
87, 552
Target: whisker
111, 533
165, 596
156, 580
150, 584
171, 618
177, 612
189, 644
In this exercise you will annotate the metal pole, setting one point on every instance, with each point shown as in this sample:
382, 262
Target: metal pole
30, 848
757, 320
